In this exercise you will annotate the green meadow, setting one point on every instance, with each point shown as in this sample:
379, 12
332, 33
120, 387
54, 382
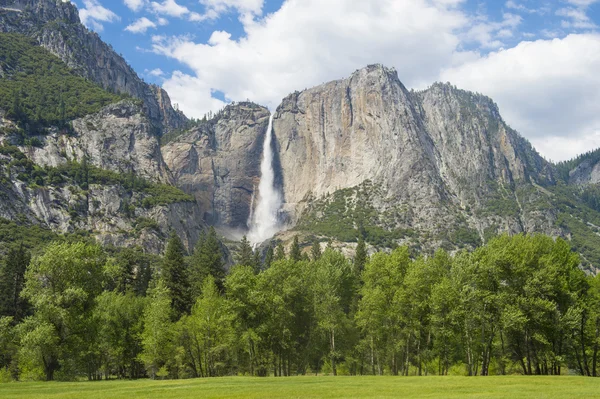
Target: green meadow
315, 387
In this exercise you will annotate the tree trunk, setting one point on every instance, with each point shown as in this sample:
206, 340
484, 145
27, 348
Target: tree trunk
582, 338
333, 365
595, 355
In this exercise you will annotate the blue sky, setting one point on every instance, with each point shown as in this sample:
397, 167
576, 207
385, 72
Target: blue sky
538, 59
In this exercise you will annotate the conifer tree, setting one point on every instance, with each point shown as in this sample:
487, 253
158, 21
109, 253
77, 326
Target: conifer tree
295, 252
245, 255
360, 258
175, 276
315, 251
280, 252
269, 257
12, 280
256, 261
207, 259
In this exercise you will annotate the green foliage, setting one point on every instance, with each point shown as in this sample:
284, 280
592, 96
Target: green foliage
207, 260
360, 257
31, 236
120, 326
315, 250
518, 304
295, 251
175, 276
61, 285
39, 90
208, 334
158, 333
245, 254
349, 213
12, 280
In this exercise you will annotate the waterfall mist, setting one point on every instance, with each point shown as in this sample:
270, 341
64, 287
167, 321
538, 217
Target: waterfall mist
264, 221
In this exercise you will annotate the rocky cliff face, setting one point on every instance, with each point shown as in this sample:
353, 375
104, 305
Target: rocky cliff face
219, 163
56, 26
587, 172
436, 158
120, 139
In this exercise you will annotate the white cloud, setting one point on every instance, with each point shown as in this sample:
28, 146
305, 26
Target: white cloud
135, 5
558, 148
141, 25
155, 72
93, 14
489, 34
576, 18
548, 90
213, 9
162, 21
189, 93
582, 3
170, 8
308, 42
510, 4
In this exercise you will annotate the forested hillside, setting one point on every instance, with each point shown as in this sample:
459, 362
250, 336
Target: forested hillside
38, 90
516, 305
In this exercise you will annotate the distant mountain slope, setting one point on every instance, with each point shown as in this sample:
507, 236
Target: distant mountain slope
55, 25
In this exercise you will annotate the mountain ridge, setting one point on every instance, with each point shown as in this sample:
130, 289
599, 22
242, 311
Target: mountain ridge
56, 26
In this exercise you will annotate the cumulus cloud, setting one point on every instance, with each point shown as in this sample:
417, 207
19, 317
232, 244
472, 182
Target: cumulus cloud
135, 5
155, 72
549, 90
189, 93
141, 25
170, 8
93, 14
309, 42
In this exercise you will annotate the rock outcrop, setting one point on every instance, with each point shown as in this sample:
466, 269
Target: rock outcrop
56, 26
587, 172
119, 138
437, 157
218, 162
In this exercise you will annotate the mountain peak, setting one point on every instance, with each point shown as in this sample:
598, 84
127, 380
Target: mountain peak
44, 10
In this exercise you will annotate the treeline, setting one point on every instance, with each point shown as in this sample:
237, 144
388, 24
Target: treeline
518, 305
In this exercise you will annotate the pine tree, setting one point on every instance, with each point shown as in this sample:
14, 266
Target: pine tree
175, 276
12, 280
316, 250
295, 252
257, 261
245, 255
269, 257
207, 259
360, 258
280, 252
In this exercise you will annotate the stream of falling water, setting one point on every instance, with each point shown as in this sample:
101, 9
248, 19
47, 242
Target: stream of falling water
265, 223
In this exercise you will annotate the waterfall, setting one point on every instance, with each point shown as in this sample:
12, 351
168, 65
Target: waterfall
265, 221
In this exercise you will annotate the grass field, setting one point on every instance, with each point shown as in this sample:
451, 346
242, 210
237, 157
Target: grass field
315, 387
